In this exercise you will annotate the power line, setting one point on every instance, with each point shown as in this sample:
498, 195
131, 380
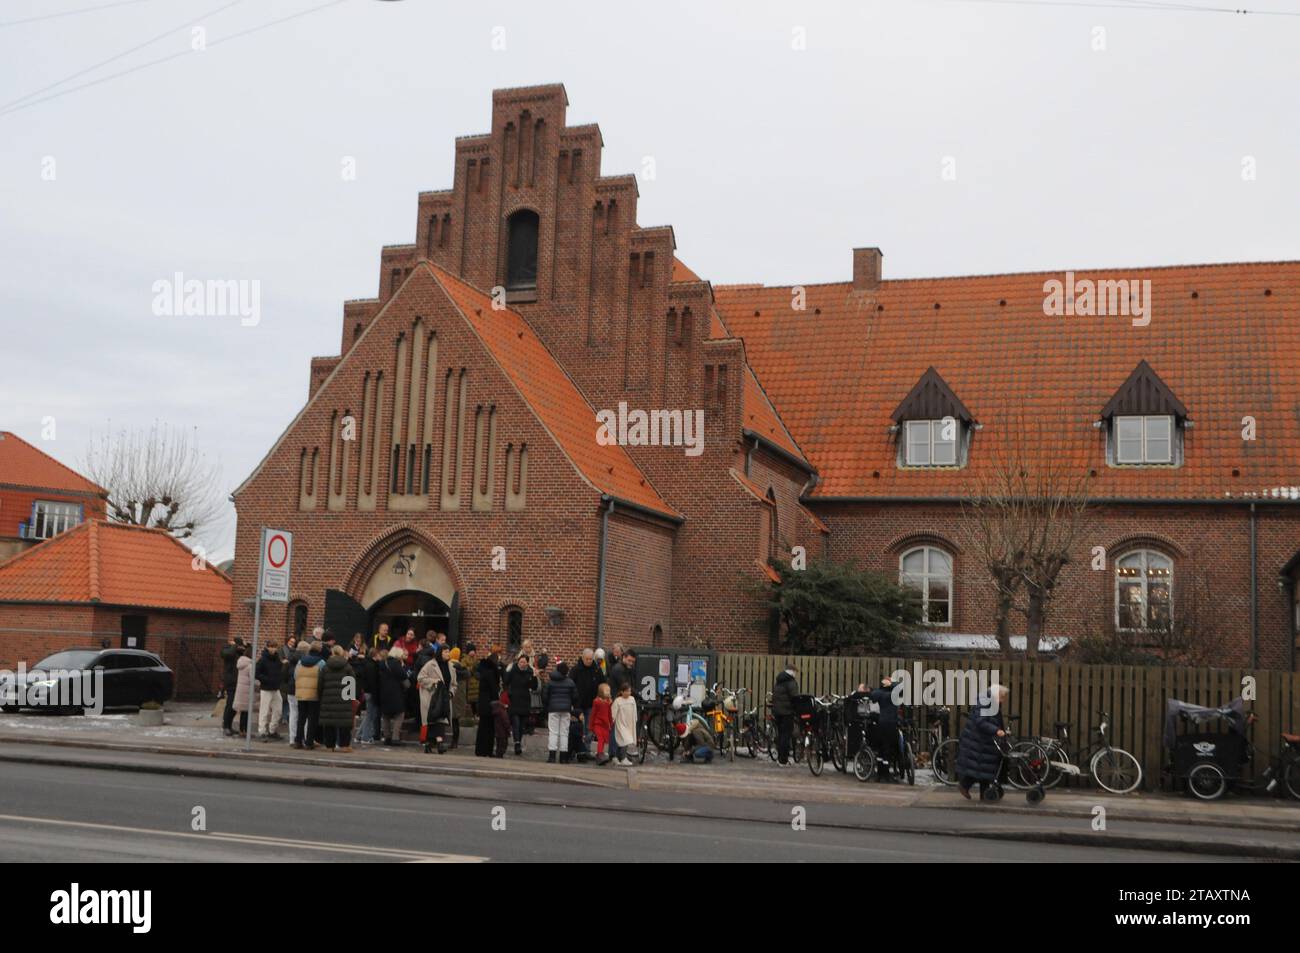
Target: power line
71, 13
5, 107
18, 104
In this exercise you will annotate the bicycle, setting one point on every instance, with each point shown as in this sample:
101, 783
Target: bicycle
942, 749
898, 753
1113, 769
655, 729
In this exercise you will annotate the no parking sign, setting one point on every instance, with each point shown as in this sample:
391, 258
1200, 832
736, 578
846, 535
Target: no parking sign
277, 552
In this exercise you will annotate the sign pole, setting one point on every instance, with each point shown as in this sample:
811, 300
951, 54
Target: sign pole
257, 621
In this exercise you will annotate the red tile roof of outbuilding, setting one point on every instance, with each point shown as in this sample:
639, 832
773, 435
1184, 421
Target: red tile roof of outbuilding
117, 565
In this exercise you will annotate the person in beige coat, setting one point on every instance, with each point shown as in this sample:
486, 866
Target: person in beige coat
437, 681
623, 714
243, 690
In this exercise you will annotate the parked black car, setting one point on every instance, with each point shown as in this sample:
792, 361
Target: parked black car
131, 677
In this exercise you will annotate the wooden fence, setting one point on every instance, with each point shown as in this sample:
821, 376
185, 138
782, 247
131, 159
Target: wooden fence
1043, 693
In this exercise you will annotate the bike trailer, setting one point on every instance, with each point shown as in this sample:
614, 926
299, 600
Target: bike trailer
1226, 747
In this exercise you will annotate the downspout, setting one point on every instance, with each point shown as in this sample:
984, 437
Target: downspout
600, 570
1254, 592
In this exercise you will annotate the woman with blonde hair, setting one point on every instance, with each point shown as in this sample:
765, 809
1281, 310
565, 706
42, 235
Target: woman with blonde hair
392, 695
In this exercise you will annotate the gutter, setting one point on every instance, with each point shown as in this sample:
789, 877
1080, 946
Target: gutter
1254, 590
786, 455
600, 566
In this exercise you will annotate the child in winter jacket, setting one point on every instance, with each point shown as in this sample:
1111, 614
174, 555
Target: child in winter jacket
623, 713
601, 721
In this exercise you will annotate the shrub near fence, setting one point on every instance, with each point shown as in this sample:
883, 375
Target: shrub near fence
1043, 693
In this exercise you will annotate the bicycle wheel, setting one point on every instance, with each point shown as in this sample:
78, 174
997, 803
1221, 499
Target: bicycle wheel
1207, 781
839, 744
730, 740
1055, 755
816, 755
797, 752
1291, 778
1030, 767
753, 741
1116, 770
769, 733
643, 742
864, 763
909, 763
943, 762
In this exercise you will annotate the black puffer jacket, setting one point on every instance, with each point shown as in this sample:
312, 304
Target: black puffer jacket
269, 671
977, 753
783, 692
230, 656
392, 696
559, 695
520, 683
335, 708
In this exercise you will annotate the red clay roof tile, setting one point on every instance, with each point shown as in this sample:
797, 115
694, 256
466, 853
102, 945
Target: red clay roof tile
21, 464
117, 565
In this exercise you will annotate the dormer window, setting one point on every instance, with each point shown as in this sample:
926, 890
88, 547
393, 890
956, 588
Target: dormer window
1144, 440
1144, 422
931, 443
932, 424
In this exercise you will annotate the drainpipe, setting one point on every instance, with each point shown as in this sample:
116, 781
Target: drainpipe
1254, 593
600, 571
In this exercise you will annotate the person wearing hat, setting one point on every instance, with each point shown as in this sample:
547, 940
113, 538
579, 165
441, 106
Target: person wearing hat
460, 700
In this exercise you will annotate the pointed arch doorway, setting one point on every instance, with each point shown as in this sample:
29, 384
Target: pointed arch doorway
402, 582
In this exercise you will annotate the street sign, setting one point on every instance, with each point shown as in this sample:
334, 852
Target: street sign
277, 552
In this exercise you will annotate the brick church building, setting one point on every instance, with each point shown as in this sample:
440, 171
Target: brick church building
537, 342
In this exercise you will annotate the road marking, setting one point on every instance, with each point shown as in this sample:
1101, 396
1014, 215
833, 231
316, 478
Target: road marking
256, 840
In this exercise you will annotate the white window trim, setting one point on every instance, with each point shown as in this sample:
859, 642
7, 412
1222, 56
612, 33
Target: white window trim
925, 575
1146, 583
1146, 460
933, 428
60, 513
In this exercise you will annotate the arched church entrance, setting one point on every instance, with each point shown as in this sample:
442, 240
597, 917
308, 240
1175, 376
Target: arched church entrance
404, 584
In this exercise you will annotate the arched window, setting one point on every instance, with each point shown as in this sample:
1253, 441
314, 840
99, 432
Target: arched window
297, 620
657, 635
1143, 590
521, 251
512, 628
929, 570
774, 527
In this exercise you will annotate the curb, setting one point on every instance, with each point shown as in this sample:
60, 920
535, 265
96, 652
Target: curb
1251, 849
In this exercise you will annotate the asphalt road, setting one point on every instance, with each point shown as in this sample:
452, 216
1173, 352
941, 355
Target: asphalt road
57, 813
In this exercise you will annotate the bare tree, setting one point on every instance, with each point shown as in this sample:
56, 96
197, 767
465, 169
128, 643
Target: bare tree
156, 477
1027, 512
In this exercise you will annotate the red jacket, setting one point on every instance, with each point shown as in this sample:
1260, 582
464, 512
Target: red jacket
601, 722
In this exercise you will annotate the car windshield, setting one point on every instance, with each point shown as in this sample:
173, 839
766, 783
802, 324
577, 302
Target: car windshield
71, 661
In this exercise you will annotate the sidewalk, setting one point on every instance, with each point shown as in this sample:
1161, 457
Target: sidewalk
191, 732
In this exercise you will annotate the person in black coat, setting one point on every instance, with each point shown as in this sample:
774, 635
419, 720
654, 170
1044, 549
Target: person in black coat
393, 686
366, 666
588, 677
783, 692
489, 692
230, 656
269, 674
884, 737
520, 683
978, 758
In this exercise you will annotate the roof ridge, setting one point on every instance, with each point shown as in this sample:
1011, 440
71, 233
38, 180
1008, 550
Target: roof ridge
439, 274
94, 560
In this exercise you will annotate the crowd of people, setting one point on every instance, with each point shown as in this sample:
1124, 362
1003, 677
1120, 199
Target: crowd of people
328, 693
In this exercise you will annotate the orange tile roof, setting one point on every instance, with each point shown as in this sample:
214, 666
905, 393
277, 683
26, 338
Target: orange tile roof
21, 464
761, 417
553, 396
1224, 338
682, 273
114, 565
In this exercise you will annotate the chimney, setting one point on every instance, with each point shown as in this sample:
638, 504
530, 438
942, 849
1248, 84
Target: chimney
866, 269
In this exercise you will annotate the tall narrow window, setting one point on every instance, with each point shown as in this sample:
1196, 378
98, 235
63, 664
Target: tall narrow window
521, 251
929, 570
1143, 590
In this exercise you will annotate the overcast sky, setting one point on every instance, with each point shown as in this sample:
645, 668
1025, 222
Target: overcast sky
771, 162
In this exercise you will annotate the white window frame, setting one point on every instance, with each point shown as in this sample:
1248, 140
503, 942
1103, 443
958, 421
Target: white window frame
923, 578
931, 435
1145, 580
54, 517
1146, 458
